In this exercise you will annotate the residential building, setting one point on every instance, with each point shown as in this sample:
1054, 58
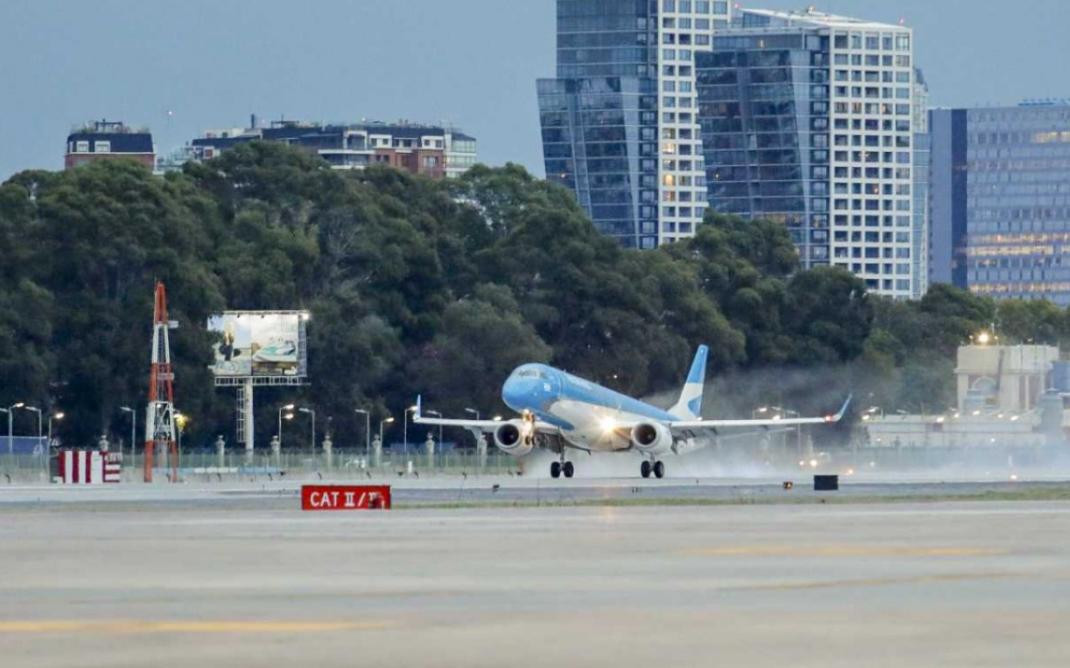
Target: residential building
108, 140
808, 118
1000, 200
433, 151
619, 122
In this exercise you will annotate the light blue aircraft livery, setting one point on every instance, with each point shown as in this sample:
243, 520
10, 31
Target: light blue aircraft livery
561, 412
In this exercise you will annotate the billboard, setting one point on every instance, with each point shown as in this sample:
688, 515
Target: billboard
259, 343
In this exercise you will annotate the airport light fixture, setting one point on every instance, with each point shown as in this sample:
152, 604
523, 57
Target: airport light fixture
388, 420
133, 429
10, 425
367, 429
405, 432
40, 426
282, 409
311, 412
54, 416
438, 415
181, 420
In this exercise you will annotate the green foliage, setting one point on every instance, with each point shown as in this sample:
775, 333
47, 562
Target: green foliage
439, 288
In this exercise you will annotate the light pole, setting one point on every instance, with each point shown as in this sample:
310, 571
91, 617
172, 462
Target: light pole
381, 423
287, 407
405, 433
439, 415
180, 421
10, 411
133, 429
313, 414
367, 430
473, 412
54, 416
40, 431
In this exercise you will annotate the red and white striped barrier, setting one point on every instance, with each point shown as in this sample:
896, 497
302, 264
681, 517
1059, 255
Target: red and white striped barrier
88, 467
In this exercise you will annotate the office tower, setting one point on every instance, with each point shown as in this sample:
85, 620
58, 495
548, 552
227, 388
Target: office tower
619, 121
807, 118
1000, 199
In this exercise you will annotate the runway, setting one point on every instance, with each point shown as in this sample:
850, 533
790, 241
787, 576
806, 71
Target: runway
244, 578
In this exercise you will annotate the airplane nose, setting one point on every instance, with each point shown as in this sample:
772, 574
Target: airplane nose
518, 393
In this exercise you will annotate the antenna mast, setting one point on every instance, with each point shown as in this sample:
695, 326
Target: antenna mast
160, 418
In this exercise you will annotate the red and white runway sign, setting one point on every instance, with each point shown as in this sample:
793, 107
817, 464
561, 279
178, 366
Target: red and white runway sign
88, 467
345, 497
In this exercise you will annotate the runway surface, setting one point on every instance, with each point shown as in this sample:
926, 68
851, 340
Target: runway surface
242, 577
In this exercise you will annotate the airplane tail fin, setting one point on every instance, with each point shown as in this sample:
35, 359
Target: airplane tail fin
690, 404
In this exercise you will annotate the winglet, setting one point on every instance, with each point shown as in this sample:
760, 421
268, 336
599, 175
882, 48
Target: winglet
843, 411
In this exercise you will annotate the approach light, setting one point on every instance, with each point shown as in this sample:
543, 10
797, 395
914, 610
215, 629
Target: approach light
497, 418
288, 407
388, 420
608, 424
983, 338
813, 463
58, 416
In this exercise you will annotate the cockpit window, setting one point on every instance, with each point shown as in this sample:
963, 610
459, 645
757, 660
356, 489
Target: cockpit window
530, 373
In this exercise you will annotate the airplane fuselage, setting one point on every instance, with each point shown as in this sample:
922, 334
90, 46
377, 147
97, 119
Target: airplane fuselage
585, 412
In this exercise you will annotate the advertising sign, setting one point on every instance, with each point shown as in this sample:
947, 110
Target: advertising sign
258, 343
345, 497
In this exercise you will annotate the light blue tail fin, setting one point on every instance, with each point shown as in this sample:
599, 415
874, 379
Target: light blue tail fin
689, 407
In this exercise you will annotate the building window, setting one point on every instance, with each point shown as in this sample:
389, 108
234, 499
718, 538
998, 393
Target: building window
83, 147
101, 146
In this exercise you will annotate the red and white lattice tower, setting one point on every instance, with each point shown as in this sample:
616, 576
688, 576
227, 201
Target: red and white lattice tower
160, 417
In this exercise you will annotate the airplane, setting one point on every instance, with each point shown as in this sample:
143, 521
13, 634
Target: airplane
562, 412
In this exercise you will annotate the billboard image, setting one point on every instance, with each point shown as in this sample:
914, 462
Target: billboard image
259, 343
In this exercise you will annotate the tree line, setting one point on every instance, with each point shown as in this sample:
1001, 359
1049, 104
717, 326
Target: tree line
435, 287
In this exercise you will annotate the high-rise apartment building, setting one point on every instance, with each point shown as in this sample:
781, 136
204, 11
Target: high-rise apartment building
1000, 200
808, 118
619, 124
663, 108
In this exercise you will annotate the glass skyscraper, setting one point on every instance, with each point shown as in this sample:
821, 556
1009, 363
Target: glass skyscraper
618, 121
1000, 200
807, 118
663, 108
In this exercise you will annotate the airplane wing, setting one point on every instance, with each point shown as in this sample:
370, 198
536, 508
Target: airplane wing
487, 426
765, 422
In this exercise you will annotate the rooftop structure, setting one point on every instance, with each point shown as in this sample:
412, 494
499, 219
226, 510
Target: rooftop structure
108, 140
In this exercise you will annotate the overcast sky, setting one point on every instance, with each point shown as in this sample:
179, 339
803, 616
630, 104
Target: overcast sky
185, 66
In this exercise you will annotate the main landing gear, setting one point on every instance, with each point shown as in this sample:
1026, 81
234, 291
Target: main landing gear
557, 468
647, 467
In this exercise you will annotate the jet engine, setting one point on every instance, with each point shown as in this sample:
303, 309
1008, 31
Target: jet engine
651, 438
515, 437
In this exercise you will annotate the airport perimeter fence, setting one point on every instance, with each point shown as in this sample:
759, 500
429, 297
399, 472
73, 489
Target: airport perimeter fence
339, 464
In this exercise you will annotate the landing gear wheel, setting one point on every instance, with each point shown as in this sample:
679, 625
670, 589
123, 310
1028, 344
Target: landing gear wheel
659, 470
568, 469
644, 468
555, 469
